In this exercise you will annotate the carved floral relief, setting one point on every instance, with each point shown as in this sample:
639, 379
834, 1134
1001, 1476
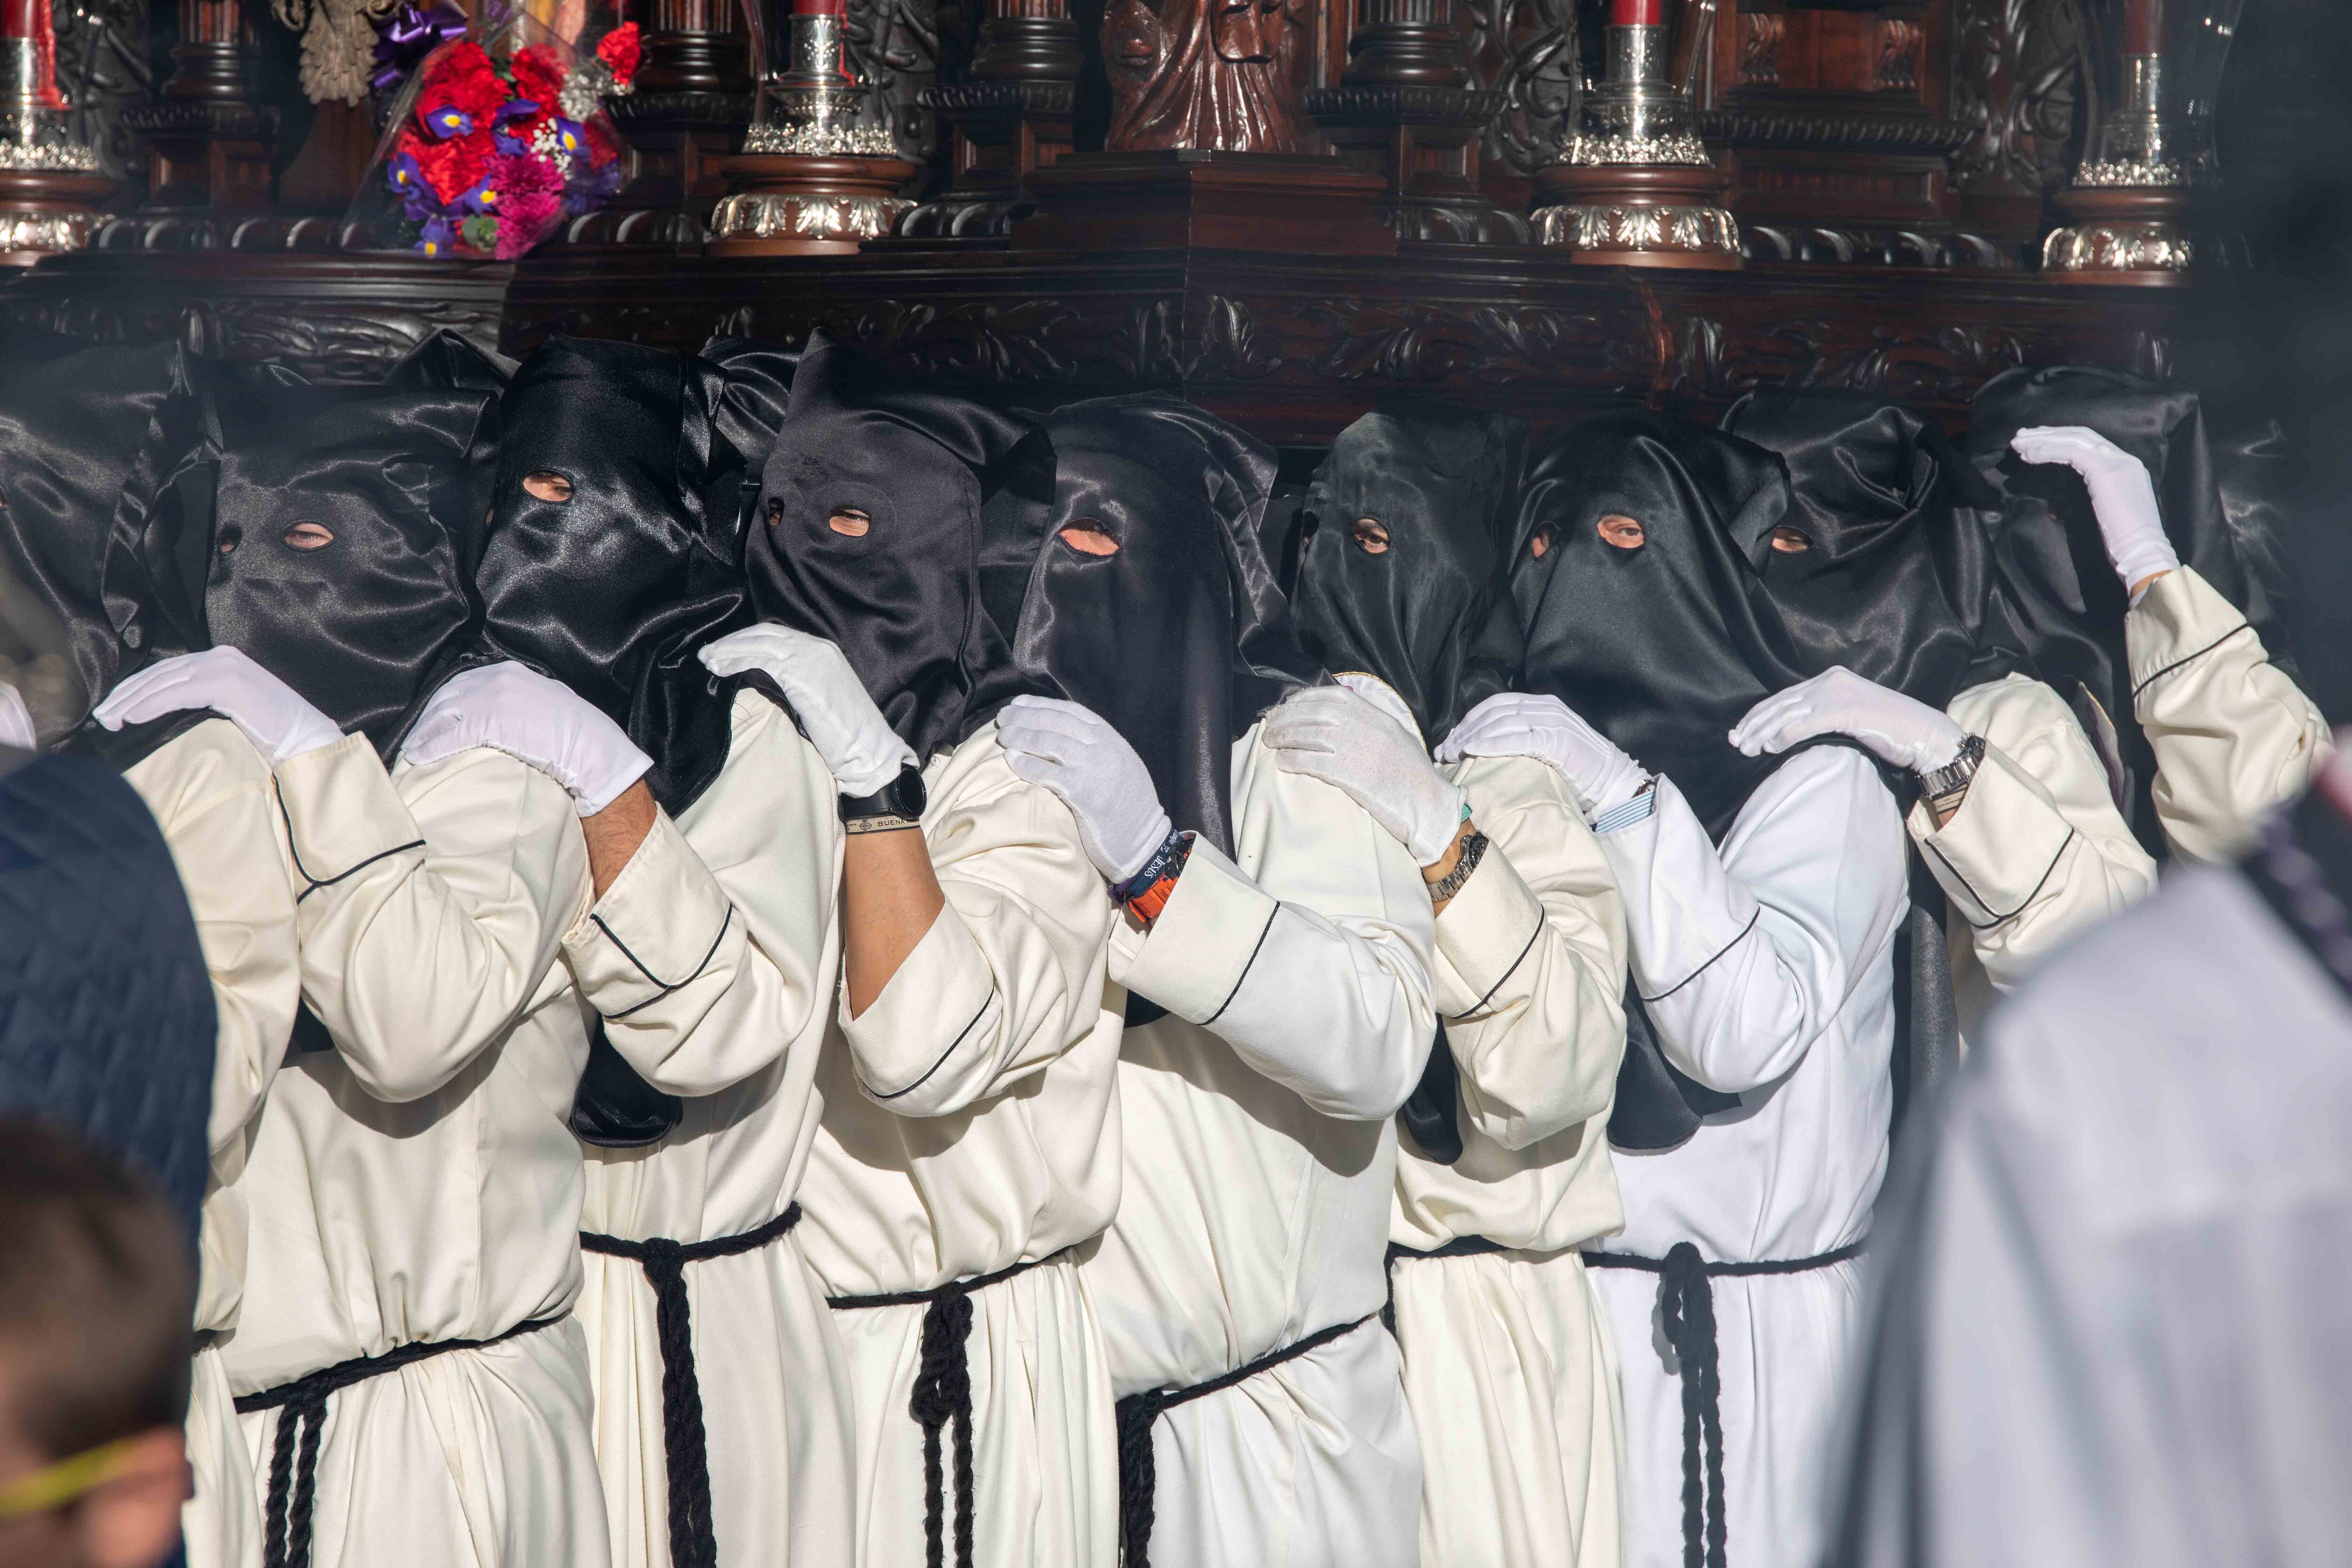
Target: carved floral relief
1217, 74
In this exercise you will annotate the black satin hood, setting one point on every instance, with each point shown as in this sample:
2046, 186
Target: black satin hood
902, 601
1179, 640
614, 590
1420, 614
366, 625
87, 436
1664, 648
1899, 585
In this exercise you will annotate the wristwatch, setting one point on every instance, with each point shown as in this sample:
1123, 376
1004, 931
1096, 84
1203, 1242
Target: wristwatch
1954, 775
897, 805
1474, 849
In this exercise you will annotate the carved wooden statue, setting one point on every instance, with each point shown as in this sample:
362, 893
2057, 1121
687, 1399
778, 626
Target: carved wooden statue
1218, 74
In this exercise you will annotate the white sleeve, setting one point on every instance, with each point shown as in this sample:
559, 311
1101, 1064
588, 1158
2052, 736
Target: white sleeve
430, 911
1530, 970
1315, 970
1010, 975
2037, 850
706, 956
2233, 735
1743, 957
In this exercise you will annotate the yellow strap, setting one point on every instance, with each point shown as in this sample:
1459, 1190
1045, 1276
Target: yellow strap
66, 1481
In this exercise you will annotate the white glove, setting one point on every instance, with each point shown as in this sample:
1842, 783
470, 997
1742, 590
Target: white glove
17, 721
1899, 728
2123, 497
843, 723
1330, 733
538, 721
1519, 724
274, 717
1078, 756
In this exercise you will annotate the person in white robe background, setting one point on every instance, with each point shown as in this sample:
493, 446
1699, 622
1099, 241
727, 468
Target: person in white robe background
2024, 838
1762, 898
968, 1135
1505, 1170
412, 1387
722, 1403
1263, 1419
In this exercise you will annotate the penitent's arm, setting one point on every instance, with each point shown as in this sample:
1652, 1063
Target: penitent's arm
2233, 735
1316, 969
1530, 972
704, 955
2036, 850
429, 912
1008, 976
1742, 957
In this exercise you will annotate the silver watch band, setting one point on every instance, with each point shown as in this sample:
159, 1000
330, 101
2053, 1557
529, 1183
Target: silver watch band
1954, 775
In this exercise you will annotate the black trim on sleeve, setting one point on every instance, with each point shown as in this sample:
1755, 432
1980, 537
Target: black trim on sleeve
1245, 969
303, 871
2190, 658
944, 1055
651, 977
1514, 969
1703, 968
1981, 901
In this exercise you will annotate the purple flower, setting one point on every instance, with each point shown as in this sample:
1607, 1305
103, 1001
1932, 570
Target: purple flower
595, 188
481, 197
570, 137
437, 236
449, 121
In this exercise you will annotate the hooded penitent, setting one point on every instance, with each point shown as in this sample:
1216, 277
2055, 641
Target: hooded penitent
1663, 647
867, 534
1422, 611
611, 554
86, 436
2055, 577
1147, 598
339, 523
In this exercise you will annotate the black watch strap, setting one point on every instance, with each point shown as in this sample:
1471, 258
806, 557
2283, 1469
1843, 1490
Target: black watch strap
899, 803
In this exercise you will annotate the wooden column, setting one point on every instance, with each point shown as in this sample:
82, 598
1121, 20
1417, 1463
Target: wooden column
1010, 120
691, 100
208, 144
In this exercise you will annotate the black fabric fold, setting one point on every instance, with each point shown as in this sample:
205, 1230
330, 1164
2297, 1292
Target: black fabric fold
1178, 638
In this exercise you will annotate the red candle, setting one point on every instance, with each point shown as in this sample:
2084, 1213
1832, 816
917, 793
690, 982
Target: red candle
17, 18
1636, 13
803, 7
2143, 27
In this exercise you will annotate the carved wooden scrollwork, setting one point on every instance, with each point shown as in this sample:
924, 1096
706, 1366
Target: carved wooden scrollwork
103, 65
2016, 71
1941, 366
1760, 36
1899, 43
1420, 345
895, 46
1526, 50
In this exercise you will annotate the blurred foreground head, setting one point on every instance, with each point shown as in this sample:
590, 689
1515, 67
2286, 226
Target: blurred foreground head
96, 1295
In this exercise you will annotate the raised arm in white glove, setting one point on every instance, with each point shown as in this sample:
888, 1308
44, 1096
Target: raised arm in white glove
1330, 733
1519, 724
1898, 728
842, 721
274, 717
1090, 765
538, 722
16, 720
2122, 498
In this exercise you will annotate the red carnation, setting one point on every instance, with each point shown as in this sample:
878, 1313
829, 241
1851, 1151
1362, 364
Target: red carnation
602, 149
620, 51
451, 168
461, 77
539, 76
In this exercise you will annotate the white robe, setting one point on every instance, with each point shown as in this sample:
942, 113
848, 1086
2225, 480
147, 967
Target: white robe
970, 1125
1508, 1364
420, 1182
1261, 1165
2111, 1322
713, 958
1770, 966
2233, 736
210, 793
2037, 850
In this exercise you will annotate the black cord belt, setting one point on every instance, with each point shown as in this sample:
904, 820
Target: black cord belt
944, 1395
685, 1457
1687, 1309
1139, 1477
1460, 1247
294, 1480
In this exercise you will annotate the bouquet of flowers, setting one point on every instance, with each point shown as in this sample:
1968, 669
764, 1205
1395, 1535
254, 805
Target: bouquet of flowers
491, 153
